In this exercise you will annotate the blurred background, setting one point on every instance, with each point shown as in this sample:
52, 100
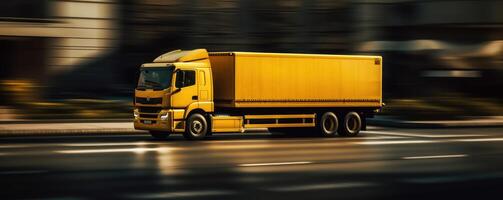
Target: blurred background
63, 59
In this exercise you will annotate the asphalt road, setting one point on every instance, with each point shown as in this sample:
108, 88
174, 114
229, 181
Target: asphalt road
381, 163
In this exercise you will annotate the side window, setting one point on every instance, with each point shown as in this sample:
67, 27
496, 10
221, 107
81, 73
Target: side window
185, 78
190, 78
180, 79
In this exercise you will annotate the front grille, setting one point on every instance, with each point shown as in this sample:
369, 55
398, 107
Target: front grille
149, 109
148, 116
148, 100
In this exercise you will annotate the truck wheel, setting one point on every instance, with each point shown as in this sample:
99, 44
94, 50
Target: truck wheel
351, 125
196, 127
328, 124
160, 135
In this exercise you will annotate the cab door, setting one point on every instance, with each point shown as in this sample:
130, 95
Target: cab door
204, 87
186, 89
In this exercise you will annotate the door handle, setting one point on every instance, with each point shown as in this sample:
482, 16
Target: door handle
195, 97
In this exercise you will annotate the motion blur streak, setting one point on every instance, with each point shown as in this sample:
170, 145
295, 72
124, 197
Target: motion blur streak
108, 144
181, 194
423, 135
24, 172
132, 150
321, 186
395, 142
275, 164
435, 157
480, 140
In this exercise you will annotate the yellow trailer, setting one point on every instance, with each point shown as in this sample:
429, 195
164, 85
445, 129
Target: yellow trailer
199, 93
271, 80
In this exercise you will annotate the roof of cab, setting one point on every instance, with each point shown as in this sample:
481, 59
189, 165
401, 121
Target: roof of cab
182, 56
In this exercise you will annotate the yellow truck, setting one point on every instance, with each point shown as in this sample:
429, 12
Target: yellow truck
198, 93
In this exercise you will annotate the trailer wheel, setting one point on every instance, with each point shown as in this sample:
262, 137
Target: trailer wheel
196, 127
160, 135
351, 125
328, 124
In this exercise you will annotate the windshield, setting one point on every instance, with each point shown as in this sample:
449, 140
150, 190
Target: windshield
155, 77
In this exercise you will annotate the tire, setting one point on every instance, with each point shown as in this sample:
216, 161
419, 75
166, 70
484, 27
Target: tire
160, 135
351, 125
196, 127
328, 124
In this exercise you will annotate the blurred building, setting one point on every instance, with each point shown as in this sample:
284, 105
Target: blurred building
94, 47
435, 48
301, 26
42, 39
427, 45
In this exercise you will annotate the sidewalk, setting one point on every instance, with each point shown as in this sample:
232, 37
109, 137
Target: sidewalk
74, 127
28, 128
492, 121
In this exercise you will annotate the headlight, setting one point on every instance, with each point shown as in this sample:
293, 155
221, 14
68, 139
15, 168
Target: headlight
164, 116
136, 114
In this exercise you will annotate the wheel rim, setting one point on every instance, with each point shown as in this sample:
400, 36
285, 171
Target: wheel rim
329, 124
196, 127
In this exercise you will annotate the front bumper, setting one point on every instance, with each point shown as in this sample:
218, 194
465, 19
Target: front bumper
173, 123
156, 125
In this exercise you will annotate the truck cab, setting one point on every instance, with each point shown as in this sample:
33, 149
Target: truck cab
177, 84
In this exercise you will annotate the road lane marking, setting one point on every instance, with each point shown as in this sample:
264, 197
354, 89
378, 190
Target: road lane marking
107, 144
423, 135
479, 140
12, 146
128, 150
382, 137
320, 186
23, 172
181, 194
395, 142
435, 157
274, 164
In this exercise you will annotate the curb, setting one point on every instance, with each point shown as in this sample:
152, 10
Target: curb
424, 125
71, 132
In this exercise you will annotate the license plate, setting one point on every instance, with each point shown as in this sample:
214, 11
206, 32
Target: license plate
147, 122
